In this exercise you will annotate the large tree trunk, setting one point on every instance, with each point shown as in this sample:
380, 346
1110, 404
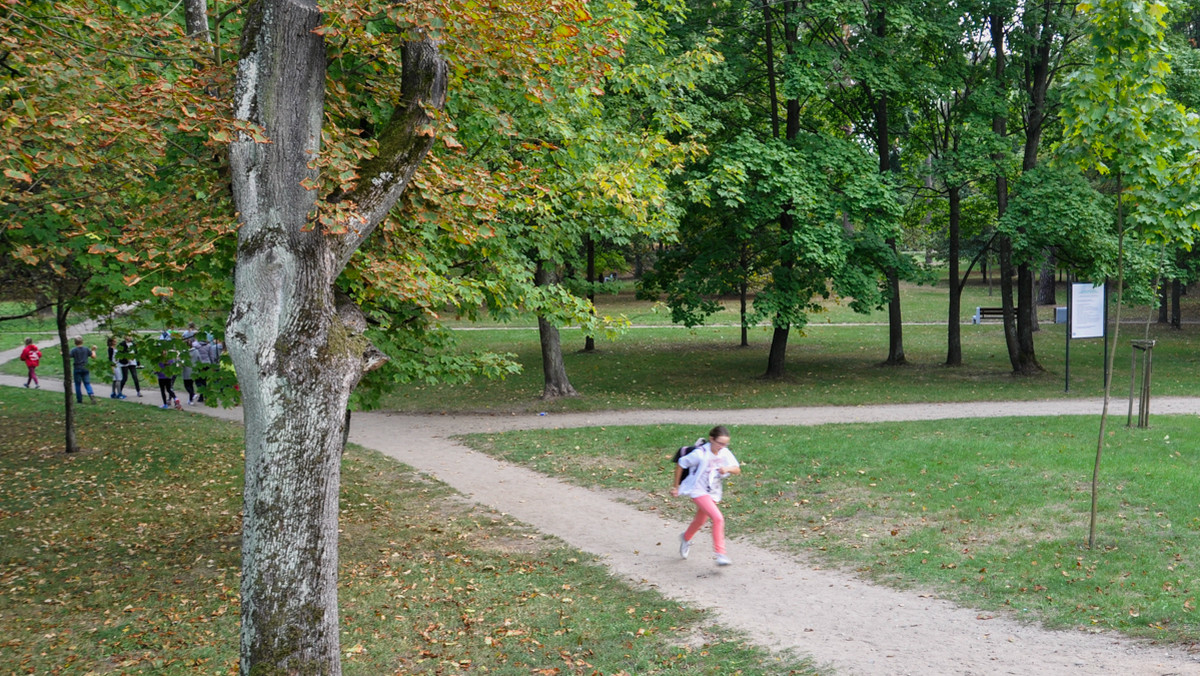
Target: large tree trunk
299, 350
61, 310
554, 370
954, 318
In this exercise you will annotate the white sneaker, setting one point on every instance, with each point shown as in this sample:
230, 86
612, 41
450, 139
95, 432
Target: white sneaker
723, 560
684, 546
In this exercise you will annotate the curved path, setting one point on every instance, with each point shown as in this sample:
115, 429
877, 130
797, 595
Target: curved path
781, 601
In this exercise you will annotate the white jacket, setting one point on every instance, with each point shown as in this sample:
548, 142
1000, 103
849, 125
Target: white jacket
704, 478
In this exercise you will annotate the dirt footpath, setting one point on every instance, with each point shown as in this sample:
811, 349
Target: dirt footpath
780, 601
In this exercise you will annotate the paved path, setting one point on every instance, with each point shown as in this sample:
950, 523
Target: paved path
781, 601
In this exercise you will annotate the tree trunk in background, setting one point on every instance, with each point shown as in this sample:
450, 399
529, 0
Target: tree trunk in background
743, 294
554, 371
1038, 71
61, 311
777, 358
1164, 304
298, 348
1176, 313
1027, 322
1047, 287
1004, 255
954, 317
883, 143
1003, 244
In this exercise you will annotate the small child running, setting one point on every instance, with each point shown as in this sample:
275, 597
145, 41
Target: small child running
709, 463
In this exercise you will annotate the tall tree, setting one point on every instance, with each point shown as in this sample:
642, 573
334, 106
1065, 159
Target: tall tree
104, 131
952, 132
319, 237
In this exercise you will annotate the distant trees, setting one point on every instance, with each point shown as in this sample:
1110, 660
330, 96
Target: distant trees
959, 106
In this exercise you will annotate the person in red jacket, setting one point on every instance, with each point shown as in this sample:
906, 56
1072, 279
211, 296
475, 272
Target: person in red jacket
32, 356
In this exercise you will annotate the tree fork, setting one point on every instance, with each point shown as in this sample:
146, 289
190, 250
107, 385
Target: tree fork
297, 346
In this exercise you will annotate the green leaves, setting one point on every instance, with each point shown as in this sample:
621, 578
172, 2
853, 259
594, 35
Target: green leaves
1120, 120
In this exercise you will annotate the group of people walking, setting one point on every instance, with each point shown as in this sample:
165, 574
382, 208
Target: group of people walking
187, 354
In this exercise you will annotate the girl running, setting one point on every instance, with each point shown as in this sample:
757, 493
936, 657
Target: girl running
709, 463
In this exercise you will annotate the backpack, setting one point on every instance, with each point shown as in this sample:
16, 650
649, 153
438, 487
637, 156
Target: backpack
684, 450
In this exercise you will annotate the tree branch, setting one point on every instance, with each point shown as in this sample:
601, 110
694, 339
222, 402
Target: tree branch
403, 143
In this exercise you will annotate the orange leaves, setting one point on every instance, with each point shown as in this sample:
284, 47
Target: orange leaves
17, 175
564, 30
25, 254
340, 218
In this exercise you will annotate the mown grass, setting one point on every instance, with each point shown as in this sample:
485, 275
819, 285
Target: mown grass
992, 512
835, 360
124, 559
13, 332
829, 365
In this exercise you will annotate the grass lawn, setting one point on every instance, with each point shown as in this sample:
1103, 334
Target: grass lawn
835, 360
124, 559
13, 332
840, 364
992, 513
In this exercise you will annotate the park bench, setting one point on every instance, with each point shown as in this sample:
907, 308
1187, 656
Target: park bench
982, 313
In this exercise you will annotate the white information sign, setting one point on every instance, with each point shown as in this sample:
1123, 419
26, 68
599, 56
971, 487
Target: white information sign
1087, 311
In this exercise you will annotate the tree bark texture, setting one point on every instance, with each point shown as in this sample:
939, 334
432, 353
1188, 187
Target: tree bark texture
196, 19
298, 349
554, 370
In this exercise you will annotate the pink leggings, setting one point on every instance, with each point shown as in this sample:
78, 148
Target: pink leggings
32, 375
707, 509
